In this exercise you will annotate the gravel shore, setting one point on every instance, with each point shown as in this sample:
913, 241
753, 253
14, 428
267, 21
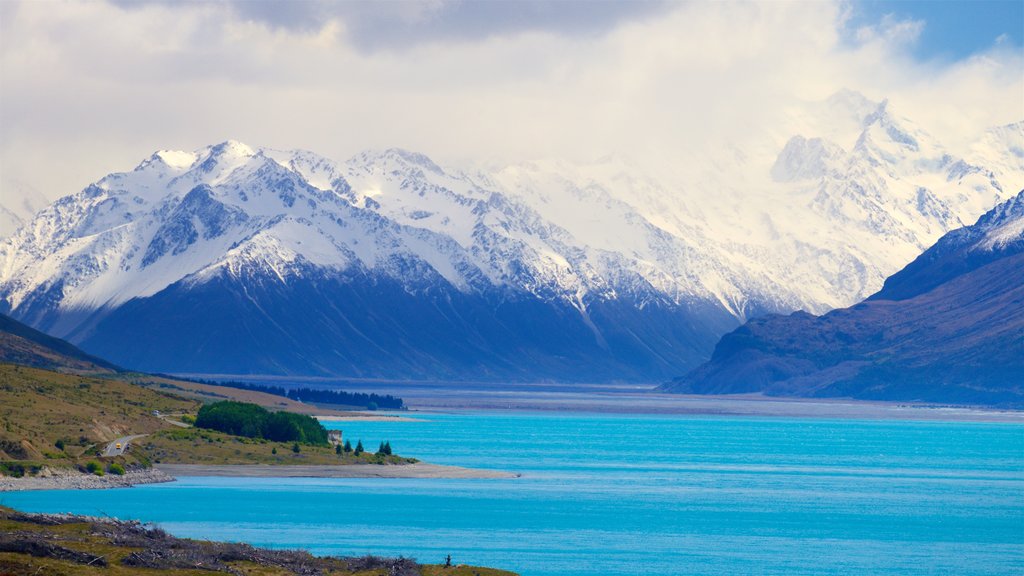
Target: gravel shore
416, 470
66, 479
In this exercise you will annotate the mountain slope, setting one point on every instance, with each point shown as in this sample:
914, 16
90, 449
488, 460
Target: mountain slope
236, 259
20, 344
949, 327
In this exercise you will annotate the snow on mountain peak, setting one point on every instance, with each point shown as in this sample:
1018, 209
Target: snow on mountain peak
176, 159
822, 229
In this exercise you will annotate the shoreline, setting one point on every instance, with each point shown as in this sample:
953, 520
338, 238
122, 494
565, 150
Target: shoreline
414, 470
67, 479
366, 418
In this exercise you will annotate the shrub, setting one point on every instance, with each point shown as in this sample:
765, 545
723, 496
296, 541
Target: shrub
188, 419
296, 448
59, 444
12, 469
116, 468
94, 467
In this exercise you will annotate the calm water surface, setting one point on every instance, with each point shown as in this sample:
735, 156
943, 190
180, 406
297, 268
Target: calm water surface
626, 495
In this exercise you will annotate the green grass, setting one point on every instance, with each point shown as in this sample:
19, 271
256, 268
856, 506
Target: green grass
40, 409
198, 446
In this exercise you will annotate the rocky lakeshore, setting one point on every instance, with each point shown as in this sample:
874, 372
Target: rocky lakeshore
34, 544
68, 479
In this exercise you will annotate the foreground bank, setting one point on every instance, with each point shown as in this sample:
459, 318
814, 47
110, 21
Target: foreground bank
69, 544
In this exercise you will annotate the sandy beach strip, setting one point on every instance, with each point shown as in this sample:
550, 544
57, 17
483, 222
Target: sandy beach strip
366, 417
417, 470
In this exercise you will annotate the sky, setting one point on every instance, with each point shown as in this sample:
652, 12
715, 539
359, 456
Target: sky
89, 88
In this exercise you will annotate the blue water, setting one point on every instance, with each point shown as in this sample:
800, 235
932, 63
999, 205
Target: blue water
627, 495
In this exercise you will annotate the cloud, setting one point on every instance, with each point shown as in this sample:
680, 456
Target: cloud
94, 87
402, 24
891, 30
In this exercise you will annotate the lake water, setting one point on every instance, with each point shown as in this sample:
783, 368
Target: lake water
629, 495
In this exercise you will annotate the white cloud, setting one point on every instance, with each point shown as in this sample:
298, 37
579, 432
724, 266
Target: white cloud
89, 88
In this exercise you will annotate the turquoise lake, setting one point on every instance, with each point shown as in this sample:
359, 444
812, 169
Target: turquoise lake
629, 495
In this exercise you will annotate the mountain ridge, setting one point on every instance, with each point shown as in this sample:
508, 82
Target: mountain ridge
948, 328
592, 245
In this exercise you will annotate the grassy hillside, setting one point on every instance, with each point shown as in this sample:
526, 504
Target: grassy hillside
41, 410
58, 420
198, 446
38, 544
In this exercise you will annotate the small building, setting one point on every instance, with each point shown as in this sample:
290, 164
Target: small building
334, 436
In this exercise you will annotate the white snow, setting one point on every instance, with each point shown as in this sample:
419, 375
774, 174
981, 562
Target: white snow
813, 221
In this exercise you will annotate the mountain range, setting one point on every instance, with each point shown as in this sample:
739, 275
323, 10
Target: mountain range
239, 260
949, 327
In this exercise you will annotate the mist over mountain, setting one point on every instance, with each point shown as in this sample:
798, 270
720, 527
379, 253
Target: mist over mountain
949, 327
236, 259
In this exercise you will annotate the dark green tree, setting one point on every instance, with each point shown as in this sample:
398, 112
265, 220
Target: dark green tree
337, 449
348, 446
296, 448
359, 447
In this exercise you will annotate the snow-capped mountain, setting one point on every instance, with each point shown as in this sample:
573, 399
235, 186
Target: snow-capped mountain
949, 327
235, 259
20, 203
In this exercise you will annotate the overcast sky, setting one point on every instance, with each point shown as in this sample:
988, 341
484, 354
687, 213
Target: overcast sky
95, 87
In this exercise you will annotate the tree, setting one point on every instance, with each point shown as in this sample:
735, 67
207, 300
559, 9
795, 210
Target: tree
296, 448
348, 446
273, 450
359, 447
380, 450
337, 449
387, 447
252, 421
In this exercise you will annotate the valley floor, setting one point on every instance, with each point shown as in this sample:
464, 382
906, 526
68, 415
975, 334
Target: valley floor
638, 399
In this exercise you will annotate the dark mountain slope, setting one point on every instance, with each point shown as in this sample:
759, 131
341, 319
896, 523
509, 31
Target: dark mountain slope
20, 344
947, 328
325, 324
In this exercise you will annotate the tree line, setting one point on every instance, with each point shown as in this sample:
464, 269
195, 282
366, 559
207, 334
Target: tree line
252, 421
370, 401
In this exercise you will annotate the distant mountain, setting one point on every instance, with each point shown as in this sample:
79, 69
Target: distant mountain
947, 328
21, 202
232, 259
20, 344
